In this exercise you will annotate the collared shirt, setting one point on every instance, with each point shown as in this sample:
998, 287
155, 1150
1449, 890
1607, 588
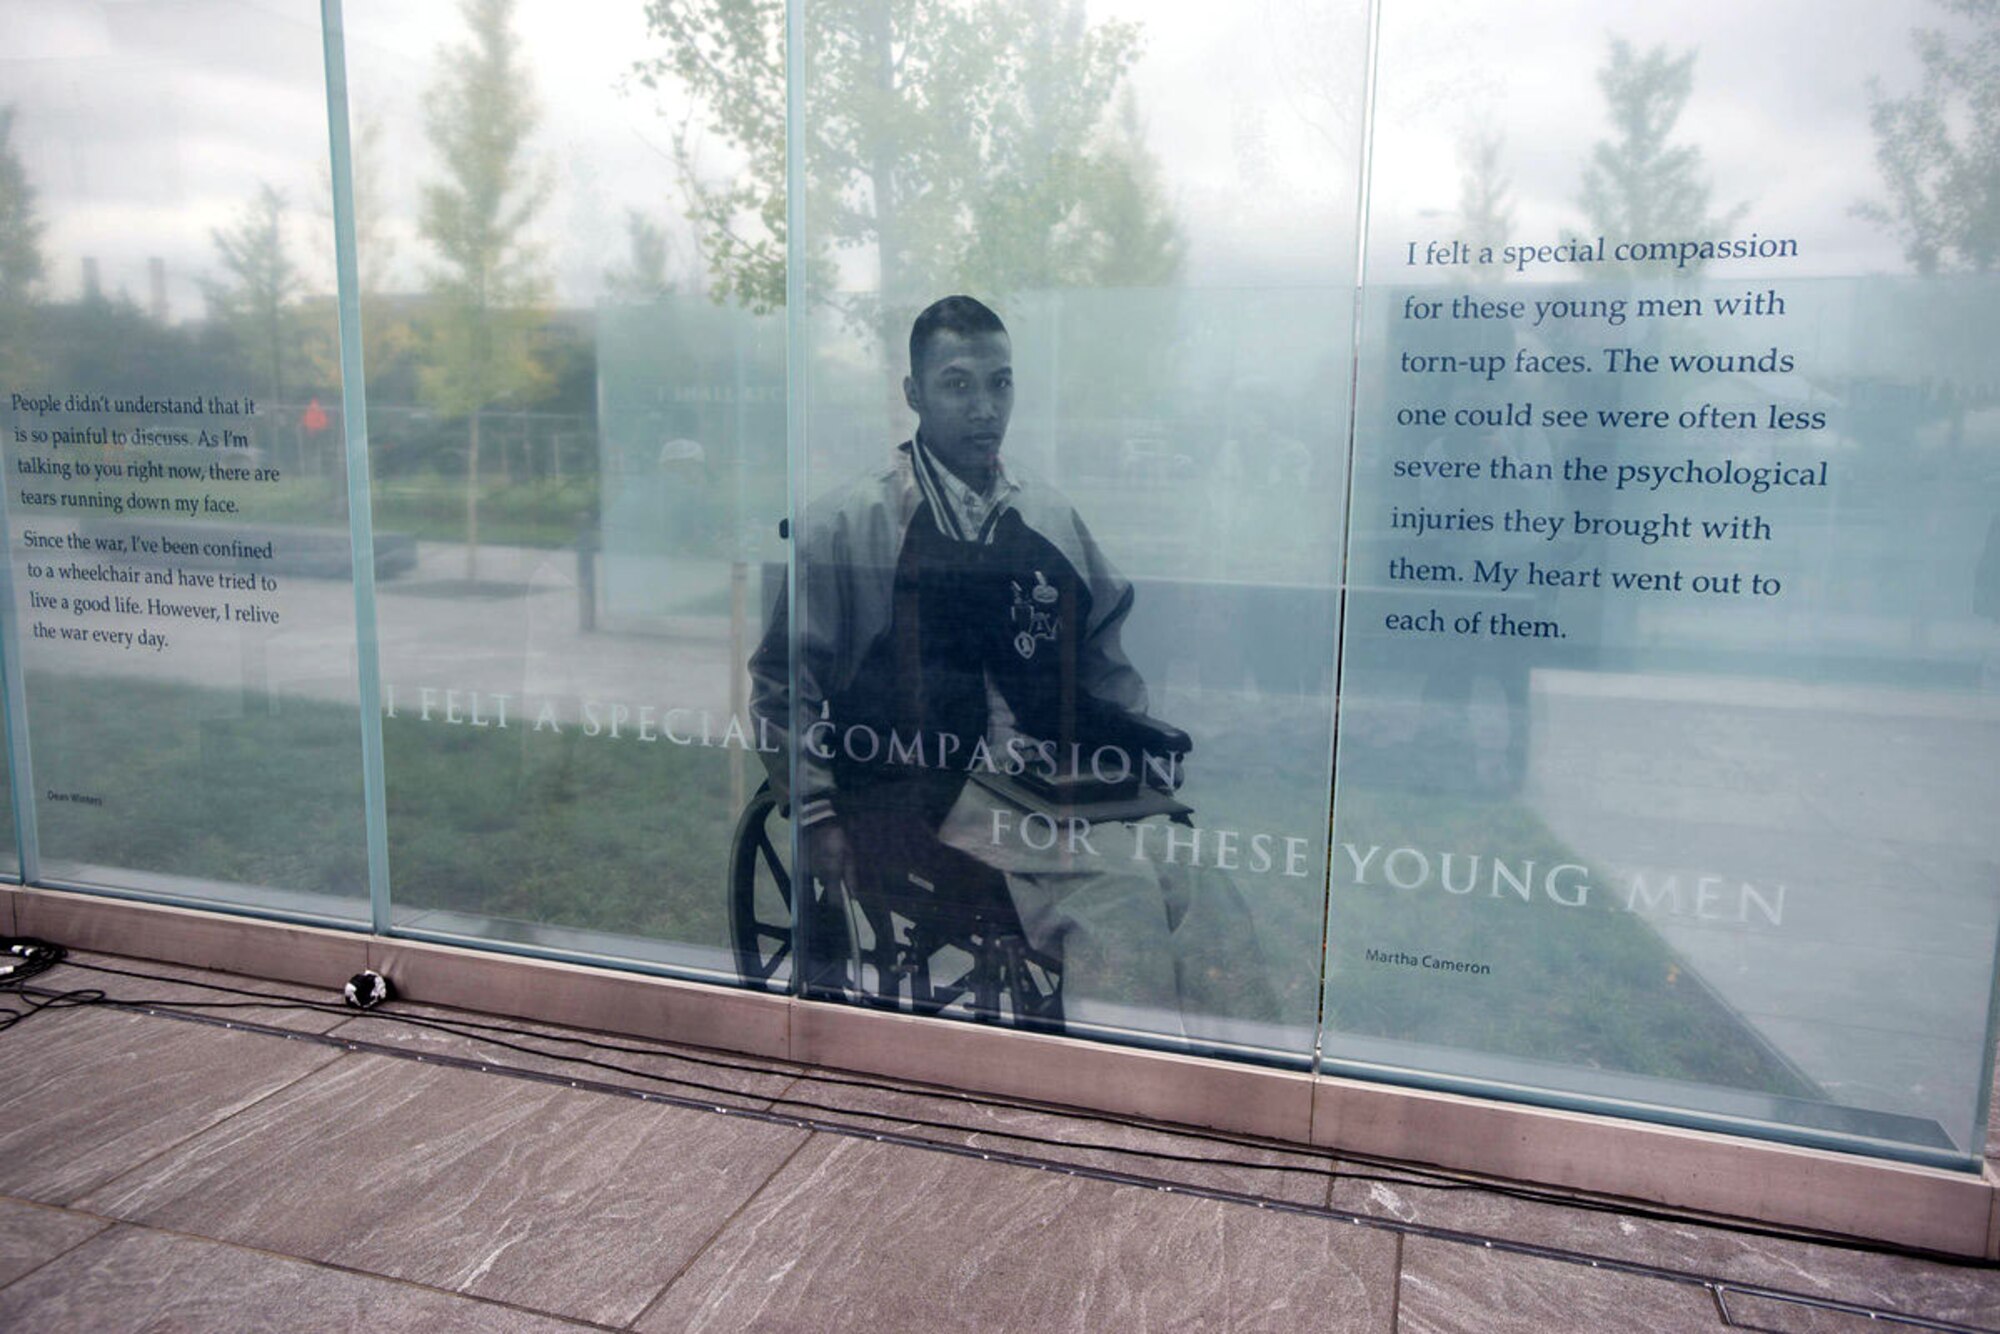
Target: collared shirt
961, 512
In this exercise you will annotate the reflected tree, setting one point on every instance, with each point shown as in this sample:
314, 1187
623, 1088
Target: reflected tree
94, 341
1639, 185
21, 262
1132, 237
388, 338
1485, 213
1939, 147
951, 143
486, 289
254, 298
643, 275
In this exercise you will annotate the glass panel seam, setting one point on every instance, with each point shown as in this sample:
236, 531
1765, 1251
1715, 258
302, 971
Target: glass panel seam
1368, 96
795, 452
354, 424
13, 685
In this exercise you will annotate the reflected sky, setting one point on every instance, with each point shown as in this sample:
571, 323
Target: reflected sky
1779, 112
147, 124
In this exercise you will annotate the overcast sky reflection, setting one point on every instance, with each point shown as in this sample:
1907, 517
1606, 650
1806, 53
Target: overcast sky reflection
146, 124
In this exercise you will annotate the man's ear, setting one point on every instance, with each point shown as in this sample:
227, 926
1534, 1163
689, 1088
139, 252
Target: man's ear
910, 394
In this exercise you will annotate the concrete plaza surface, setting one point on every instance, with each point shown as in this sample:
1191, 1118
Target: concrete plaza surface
214, 1168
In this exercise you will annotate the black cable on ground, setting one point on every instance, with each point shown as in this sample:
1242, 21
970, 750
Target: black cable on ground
1396, 1174
21, 959
1718, 1289
1411, 1176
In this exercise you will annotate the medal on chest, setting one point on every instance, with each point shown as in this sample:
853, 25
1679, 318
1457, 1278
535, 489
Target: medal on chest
1033, 615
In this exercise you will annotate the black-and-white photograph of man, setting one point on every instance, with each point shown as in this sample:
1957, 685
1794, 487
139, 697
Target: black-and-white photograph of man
964, 708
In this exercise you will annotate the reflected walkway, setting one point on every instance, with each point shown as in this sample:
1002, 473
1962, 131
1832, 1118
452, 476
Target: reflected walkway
518, 630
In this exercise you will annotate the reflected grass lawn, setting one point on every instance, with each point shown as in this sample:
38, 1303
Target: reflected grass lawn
1587, 985
569, 830
194, 781
531, 512
632, 838
215, 785
535, 512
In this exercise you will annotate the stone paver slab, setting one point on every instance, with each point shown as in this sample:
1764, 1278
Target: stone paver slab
856, 1235
172, 982
137, 1279
1296, 1177
33, 1234
1451, 1288
1938, 1290
683, 1072
94, 1093
581, 1204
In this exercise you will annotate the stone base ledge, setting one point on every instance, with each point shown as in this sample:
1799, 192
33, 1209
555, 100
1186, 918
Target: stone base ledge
1811, 1189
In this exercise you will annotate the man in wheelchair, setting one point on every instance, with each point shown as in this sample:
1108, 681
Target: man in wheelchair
972, 741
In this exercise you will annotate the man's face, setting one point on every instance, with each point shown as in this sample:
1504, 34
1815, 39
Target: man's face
963, 396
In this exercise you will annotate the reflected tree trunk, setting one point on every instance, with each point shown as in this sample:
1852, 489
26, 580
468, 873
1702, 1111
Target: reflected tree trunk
882, 185
472, 501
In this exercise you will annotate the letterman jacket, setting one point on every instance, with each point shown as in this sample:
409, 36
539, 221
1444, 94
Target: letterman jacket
910, 638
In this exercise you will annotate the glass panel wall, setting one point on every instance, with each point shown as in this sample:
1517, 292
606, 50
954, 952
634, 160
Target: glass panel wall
1067, 605
578, 467
1668, 717
929, 559
182, 607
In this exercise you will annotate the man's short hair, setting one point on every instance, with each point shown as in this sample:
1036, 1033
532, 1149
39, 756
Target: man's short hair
962, 315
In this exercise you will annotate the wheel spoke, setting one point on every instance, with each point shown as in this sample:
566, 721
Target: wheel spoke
769, 856
1005, 981
760, 931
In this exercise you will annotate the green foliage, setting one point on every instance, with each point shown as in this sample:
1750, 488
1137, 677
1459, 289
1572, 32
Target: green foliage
110, 340
480, 348
1638, 185
1124, 232
643, 276
1939, 147
20, 252
255, 298
731, 54
487, 284
388, 335
961, 141
542, 512
1485, 214
20, 229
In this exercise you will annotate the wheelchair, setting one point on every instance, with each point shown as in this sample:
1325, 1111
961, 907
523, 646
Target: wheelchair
921, 945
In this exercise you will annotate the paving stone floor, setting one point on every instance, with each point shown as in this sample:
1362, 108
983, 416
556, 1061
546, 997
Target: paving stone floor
162, 1174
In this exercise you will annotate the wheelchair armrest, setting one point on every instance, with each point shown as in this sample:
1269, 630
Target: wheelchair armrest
1139, 733
1154, 752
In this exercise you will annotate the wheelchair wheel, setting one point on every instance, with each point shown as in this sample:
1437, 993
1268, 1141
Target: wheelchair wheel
990, 975
877, 953
1032, 982
760, 893
762, 899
